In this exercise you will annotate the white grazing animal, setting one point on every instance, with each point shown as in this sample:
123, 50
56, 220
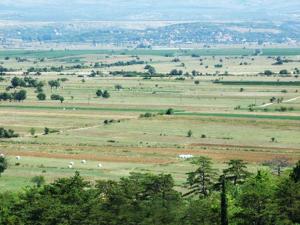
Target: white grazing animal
18, 157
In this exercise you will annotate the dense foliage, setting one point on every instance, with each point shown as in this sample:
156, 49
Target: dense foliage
25, 82
16, 96
4, 133
258, 199
3, 164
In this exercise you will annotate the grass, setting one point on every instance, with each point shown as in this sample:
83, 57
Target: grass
148, 144
202, 52
264, 83
251, 116
83, 108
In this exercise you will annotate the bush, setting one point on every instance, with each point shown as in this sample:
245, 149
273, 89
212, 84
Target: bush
54, 83
38, 180
106, 94
3, 164
50, 131
118, 87
99, 93
283, 72
20, 95
57, 97
268, 72
107, 122
147, 115
41, 96
46, 130
5, 96
7, 133
176, 72
32, 131
170, 111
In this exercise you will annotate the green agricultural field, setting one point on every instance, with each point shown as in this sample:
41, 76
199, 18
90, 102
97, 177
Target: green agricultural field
201, 52
245, 115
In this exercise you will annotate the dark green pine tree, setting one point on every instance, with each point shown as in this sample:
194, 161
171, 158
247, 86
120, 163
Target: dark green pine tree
237, 171
201, 180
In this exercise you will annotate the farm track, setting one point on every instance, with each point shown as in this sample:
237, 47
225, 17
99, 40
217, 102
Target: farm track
272, 103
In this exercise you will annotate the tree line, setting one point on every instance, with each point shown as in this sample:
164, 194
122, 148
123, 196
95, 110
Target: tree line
16, 96
236, 197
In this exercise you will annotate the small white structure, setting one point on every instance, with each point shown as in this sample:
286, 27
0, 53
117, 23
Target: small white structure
185, 156
83, 161
71, 163
18, 157
70, 166
2, 155
99, 165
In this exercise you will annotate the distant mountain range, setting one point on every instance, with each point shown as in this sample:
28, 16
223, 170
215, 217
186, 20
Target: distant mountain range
148, 35
149, 22
113, 10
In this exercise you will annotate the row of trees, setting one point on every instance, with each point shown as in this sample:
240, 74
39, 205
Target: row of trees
16, 96
281, 72
119, 63
237, 197
26, 82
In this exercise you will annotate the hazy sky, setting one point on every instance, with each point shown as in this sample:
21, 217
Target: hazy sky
62, 10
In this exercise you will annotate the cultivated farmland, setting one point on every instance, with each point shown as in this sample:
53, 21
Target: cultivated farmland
237, 103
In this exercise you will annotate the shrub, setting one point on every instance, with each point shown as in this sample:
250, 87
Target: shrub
50, 131
38, 180
268, 72
7, 133
57, 97
106, 94
147, 115
41, 96
283, 72
99, 93
170, 111
20, 95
